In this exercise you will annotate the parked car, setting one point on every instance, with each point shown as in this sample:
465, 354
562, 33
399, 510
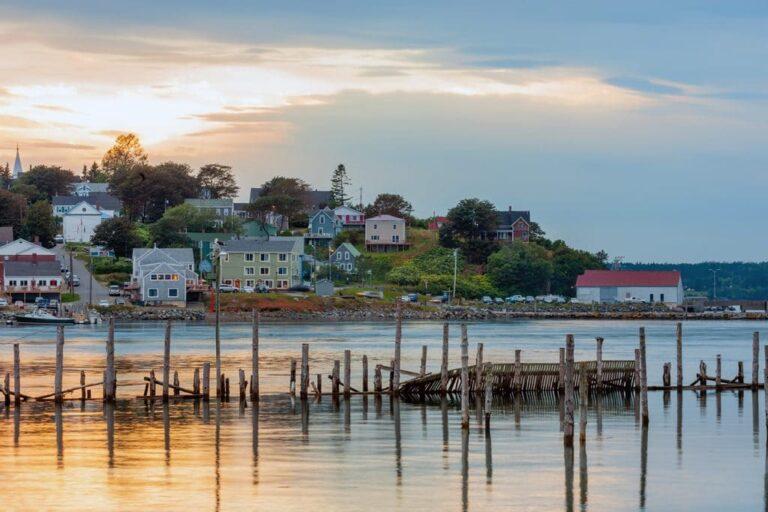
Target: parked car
58, 239
487, 300
104, 303
120, 301
633, 300
228, 288
498, 300
441, 299
75, 280
64, 269
405, 298
3, 303
53, 303
413, 297
515, 298
529, 299
114, 290
247, 289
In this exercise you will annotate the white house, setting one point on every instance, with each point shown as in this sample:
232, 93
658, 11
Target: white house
80, 222
385, 233
620, 285
349, 217
105, 202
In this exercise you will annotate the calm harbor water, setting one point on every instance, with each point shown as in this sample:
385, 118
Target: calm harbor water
702, 452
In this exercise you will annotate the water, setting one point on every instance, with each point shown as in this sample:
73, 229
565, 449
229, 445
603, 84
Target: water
702, 452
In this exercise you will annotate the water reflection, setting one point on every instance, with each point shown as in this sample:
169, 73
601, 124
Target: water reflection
568, 461
109, 417
488, 459
679, 428
217, 457
395, 405
444, 421
255, 441
167, 433
583, 476
464, 469
755, 421
643, 464
59, 420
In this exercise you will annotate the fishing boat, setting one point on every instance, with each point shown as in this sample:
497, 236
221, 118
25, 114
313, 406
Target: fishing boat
40, 316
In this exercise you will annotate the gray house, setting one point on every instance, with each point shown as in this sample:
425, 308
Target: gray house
345, 257
162, 276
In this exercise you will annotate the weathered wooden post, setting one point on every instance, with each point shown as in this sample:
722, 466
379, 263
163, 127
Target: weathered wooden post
423, 366
335, 379
347, 373
152, 383
292, 385
583, 399
479, 370
365, 373
568, 419
599, 374
488, 397
702, 373
59, 364
110, 377
679, 331
444, 363
241, 383
82, 384
755, 358
16, 374
740, 372
176, 383
166, 360
255, 321
561, 370
206, 381
643, 378
377, 379
718, 373
464, 377
518, 376
196, 382
638, 364
7, 388
391, 376
304, 389
666, 376
398, 338
319, 384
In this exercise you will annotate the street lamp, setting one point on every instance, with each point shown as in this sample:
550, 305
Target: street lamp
218, 253
455, 268
714, 282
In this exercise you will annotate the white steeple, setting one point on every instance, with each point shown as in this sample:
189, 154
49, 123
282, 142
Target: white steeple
17, 169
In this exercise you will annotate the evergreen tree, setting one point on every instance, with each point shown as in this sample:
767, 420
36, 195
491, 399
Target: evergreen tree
40, 223
5, 176
339, 180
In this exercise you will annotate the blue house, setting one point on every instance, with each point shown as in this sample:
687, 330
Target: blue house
323, 227
345, 257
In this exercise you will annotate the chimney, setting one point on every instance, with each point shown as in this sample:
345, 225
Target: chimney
510, 209
36, 240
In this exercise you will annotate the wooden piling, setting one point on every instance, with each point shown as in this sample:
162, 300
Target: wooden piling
518, 375
82, 385
59, 364
377, 379
444, 363
718, 373
679, 332
702, 373
206, 381
152, 385
196, 382
464, 377
319, 384
638, 364
166, 360
292, 384
304, 391
740, 372
7, 388
488, 397
365, 373
347, 373
666, 375
583, 399
226, 387
16, 374
599, 371
643, 378
391, 376
479, 370
335, 379
255, 321
755, 358
395, 389
568, 418
176, 383
110, 377
561, 370
241, 384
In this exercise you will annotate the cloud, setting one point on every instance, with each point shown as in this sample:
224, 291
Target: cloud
53, 108
10, 121
645, 85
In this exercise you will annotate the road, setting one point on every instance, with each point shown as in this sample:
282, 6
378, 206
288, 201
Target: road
81, 271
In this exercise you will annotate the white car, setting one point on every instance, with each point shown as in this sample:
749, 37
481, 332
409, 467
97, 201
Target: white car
58, 239
104, 303
3, 303
247, 289
228, 288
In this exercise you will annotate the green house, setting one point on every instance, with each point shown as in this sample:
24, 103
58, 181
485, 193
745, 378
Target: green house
275, 262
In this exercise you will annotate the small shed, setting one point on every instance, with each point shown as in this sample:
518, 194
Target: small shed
324, 288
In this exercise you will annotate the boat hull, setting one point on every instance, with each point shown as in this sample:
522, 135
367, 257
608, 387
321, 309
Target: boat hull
53, 321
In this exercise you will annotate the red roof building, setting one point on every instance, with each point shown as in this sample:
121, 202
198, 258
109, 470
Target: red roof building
630, 286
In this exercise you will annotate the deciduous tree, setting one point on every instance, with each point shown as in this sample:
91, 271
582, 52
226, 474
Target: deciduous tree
40, 224
118, 234
218, 180
390, 204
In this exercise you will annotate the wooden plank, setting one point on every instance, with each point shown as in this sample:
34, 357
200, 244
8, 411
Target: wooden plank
464, 378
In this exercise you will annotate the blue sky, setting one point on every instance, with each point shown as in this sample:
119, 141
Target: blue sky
638, 128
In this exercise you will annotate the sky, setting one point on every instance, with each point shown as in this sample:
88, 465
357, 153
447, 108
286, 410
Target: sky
638, 128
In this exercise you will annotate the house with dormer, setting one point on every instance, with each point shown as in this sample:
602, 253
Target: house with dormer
163, 275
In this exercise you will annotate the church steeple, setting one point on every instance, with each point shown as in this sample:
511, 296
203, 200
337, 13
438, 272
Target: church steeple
17, 168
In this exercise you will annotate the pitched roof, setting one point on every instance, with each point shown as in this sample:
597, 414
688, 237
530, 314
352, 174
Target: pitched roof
349, 247
259, 245
210, 203
21, 246
102, 200
384, 217
509, 217
32, 268
146, 256
209, 237
592, 278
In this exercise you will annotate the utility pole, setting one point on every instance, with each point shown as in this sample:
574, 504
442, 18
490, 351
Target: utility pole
455, 269
217, 254
71, 273
714, 282
90, 281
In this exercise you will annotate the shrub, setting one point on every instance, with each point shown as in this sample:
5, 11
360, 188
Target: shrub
69, 297
468, 287
406, 275
438, 260
107, 265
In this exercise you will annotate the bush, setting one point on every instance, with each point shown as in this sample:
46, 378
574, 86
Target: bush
69, 297
520, 268
468, 287
438, 260
107, 265
406, 275
353, 236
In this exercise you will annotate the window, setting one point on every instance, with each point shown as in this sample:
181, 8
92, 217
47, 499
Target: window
227, 281
264, 256
167, 277
338, 255
249, 256
651, 298
319, 231
250, 271
175, 277
282, 257
346, 256
395, 239
264, 271
269, 283
152, 292
374, 237
282, 271
349, 267
282, 284
12, 282
153, 277
375, 226
322, 220
54, 282
661, 297
249, 282
394, 226
173, 292
23, 282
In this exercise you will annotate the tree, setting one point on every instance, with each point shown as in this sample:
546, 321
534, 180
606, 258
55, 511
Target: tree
520, 267
13, 209
5, 176
568, 264
40, 224
390, 204
95, 174
218, 180
147, 191
30, 193
118, 234
125, 154
468, 225
283, 196
49, 180
339, 180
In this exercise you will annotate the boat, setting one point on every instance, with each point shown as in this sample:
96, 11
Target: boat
40, 316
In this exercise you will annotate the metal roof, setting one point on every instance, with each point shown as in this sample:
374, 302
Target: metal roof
597, 278
32, 268
259, 245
